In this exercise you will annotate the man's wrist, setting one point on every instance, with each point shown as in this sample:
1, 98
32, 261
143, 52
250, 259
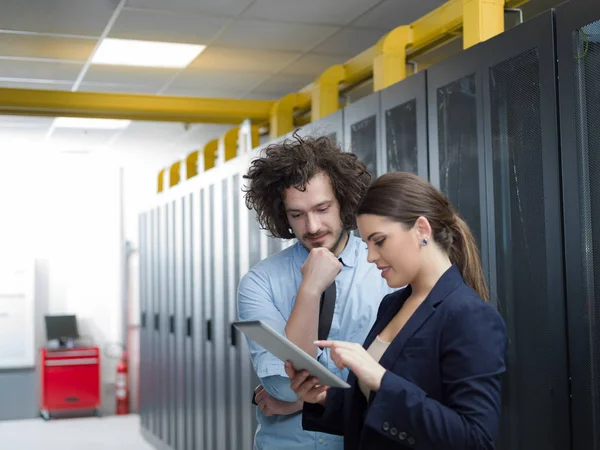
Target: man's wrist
307, 291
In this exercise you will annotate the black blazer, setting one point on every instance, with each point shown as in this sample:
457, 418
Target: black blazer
442, 387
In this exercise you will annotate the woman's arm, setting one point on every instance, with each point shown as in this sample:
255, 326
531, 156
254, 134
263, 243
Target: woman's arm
473, 346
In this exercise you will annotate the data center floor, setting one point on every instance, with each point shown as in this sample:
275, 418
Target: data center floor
113, 432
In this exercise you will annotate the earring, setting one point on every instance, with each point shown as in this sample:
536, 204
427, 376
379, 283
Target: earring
424, 242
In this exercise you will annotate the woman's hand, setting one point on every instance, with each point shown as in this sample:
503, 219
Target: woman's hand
356, 358
306, 388
270, 406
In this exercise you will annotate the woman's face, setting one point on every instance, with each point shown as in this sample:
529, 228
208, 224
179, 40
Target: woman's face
395, 249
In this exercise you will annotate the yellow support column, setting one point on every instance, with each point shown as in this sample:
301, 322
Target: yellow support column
482, 20
161, 182
191, 165
389, 63
325, 92
282, 113
175, 174
210, 154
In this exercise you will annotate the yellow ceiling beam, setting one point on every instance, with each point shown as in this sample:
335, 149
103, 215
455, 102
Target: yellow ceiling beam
191, 164
389, 64
175, 173
483, 19
209, 154
282, 113
161, 180
325, 92
228, 145
132, 106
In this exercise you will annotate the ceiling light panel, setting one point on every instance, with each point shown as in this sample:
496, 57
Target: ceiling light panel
84, 123
146, 53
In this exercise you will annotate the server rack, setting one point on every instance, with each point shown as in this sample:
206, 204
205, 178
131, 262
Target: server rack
403, 140
362, 131
331, 126
142, 223
178, 322
578, 52
188, 282
157, 386
199, 231
164, 362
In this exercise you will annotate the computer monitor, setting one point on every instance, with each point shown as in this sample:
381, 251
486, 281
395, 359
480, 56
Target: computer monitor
61, 327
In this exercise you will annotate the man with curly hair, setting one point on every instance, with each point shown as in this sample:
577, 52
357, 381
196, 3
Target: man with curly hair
308, 189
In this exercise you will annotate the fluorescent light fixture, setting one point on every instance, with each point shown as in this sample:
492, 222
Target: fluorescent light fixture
127, 52
99, 124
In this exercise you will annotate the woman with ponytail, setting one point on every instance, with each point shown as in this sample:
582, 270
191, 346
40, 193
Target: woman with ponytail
428, 375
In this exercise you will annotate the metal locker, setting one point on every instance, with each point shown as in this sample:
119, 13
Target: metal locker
219, 364
362, 131
163, 362
207, 304
198, 324
179, 334
143, 377
404, 127
188, 282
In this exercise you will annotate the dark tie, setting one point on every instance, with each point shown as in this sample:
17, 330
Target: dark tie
326, 311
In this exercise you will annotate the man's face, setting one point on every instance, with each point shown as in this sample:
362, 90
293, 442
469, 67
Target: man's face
314, 215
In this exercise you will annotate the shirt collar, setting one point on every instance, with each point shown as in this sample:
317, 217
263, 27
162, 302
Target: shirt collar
348, 255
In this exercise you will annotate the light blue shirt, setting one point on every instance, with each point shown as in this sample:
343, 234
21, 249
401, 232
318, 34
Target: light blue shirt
268, 293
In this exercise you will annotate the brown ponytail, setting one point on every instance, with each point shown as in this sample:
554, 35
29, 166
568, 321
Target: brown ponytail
464, 252
405, 197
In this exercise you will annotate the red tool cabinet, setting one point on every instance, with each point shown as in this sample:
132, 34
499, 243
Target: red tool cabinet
70, 380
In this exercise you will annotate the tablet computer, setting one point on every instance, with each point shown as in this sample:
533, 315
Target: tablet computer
275, 343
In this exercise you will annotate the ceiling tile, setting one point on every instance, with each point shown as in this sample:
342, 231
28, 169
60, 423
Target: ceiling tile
283, 84
392, 13
223, 7
349, 42
200, 91
332, 12
35, 84
118, 88
81, 17
219, 80
312, 64
274, 35
167, 27
30, 46
126, 75
39, 70
150, 133
74, 137
25, 121
224, 58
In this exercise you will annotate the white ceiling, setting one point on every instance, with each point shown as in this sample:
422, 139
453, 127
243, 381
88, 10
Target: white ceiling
255, 49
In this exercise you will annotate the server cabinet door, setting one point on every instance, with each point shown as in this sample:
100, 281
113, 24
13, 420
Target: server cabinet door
456, 157
164, 324
143, 309
207, 303
237, 400
179, 323
578, 46
362, 131
404, 127
172, 348
526, 264
198, 324
221, 348
188, 282
331, 126
156, 343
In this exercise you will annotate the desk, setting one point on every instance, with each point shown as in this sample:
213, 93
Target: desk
70, 380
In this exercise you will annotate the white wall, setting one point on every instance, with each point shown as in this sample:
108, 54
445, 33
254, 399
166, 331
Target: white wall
66, 209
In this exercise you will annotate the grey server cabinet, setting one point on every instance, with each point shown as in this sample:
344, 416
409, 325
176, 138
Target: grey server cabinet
179, 322
188, 314
331, 126
143, 296
578, 47
404, 127
494, 151
164, 360
199, 331
157, 385
171, 343
362, 131
208, 369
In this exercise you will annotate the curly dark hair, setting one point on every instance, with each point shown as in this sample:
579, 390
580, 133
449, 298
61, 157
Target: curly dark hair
293, 162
